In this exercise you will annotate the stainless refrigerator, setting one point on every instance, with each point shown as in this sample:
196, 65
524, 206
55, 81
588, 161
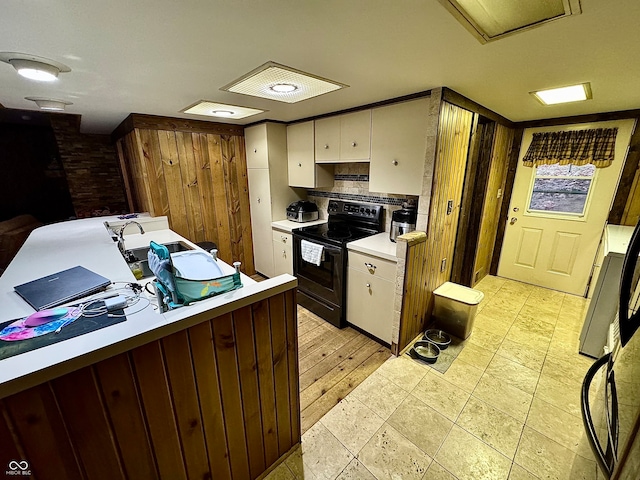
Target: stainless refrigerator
610, 400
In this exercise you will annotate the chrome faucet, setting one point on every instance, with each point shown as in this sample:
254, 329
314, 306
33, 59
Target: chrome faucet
121, 235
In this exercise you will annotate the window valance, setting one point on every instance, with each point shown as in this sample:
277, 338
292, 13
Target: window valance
575, 147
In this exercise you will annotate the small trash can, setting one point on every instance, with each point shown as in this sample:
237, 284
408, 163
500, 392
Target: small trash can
455, 308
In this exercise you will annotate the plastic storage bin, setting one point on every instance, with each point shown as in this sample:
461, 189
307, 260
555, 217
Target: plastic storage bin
455, 308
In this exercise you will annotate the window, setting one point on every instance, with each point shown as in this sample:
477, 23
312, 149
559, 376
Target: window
561, 189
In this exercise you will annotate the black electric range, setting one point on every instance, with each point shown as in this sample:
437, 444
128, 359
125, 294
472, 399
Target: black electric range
322, 288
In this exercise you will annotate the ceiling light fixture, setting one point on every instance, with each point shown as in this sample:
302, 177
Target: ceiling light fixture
34, 67
49, 104
571, 93
214, 109
281, 83
283, 88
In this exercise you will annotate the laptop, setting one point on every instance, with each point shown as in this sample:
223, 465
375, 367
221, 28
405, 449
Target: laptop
61, 287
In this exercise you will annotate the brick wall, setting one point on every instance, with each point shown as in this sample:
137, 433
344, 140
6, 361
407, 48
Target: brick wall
91, 166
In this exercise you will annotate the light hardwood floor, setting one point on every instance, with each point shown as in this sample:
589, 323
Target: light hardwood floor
332, 363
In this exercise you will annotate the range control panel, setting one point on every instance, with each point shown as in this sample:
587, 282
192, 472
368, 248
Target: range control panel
359, 210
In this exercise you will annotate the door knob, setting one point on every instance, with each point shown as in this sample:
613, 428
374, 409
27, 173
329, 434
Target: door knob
326, 147
258, 199
299, 164
513, 220
516, 209
353, 144
368, 285
394, 162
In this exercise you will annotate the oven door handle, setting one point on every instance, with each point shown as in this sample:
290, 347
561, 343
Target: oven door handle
605, 460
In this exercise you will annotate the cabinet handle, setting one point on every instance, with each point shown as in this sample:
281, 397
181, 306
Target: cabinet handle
368, 285
258, 199
394, 162
255, 150
284, 239
326, 147
354, 144
299, 164
284, 253
370, 266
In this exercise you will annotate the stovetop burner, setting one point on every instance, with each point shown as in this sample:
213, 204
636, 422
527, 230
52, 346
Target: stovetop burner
347, 222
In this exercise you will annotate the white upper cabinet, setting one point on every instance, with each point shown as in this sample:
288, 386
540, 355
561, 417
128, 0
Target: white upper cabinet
343, 138
328, 139
255, 140
303, 171
355, 136
398, 147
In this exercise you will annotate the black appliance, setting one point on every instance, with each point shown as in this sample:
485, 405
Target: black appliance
302, 211
322, 288
609, 415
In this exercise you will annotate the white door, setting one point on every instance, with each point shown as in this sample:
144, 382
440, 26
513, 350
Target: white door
557, 215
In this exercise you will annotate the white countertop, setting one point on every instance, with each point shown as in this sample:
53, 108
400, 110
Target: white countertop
377, 245
60, 246
288, 225
616, 240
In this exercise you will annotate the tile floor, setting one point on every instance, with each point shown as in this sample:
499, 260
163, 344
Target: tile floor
507, 408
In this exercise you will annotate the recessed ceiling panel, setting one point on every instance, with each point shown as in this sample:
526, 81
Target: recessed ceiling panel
491, 19
221, 110
281, 83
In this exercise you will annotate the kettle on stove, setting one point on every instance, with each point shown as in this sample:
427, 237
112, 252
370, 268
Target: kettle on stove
403, 220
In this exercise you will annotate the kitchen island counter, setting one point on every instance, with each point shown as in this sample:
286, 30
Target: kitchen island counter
153, 380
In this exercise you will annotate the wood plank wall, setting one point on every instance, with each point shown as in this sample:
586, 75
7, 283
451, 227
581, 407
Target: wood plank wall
502, 142
199, 181
219, 401
454, 133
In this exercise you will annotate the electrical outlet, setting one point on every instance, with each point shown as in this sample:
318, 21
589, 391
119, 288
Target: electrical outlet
443, 264
449, 207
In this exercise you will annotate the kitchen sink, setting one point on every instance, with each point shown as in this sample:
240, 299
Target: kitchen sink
139, 255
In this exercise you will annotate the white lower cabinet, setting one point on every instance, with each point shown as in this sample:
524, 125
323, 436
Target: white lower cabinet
370, 294
282, 252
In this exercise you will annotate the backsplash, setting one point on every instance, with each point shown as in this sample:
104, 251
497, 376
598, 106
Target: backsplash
351, 184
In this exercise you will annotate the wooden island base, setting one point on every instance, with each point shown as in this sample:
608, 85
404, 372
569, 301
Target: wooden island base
218, 400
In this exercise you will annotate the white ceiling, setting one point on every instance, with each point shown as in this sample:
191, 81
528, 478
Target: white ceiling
160, 56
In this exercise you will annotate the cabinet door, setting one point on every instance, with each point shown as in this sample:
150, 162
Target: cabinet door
300, 154
355, 136
255, 141
370, 304
282, 253
398, 146
260, 205
327, 139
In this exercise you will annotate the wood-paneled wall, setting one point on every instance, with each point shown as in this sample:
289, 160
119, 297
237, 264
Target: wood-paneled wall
502, 142
198, 180
454, 133
219, 400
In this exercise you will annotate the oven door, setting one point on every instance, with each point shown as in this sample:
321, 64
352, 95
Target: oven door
321, 288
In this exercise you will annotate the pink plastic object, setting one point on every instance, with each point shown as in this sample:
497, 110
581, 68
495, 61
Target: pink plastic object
45, 316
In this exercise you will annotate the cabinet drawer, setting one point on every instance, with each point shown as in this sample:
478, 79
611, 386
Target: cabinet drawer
282, 237
374, 266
